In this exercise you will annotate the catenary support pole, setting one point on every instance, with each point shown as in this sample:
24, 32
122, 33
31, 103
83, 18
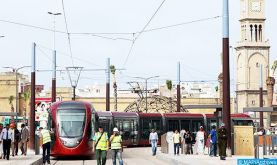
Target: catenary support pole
226, 72
33, 98
178, 87
108, 85
54, 77
261, 96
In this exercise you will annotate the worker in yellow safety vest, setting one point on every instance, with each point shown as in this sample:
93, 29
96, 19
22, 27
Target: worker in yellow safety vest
116, 146
101, 145
45, 140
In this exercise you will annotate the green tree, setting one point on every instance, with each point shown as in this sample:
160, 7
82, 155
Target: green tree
11, 99
113, 70
26, 97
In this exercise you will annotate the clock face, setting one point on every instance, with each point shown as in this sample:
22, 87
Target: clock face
256, 6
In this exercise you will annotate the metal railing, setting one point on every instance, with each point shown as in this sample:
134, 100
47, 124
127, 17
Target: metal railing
265, 146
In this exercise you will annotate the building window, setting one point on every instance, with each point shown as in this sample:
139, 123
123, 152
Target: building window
253, 102
256, 33
260, 33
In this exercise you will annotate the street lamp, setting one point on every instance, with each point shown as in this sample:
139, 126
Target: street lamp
15, 70
54, 17
146, 79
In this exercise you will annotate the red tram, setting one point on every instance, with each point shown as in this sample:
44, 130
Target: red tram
73, 124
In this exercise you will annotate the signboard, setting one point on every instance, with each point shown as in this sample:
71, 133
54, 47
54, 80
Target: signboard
42, 111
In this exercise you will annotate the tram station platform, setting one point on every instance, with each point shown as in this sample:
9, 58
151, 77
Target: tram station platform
29, 159
182, 159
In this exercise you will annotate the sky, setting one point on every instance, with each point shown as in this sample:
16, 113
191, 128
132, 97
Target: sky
196, 45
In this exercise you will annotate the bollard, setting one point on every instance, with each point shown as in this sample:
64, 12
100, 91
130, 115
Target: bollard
37, 145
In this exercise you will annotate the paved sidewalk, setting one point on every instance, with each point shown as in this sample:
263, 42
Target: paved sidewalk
30, 159
171, 159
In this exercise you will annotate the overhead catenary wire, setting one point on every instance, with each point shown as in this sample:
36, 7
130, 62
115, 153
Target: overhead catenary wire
98, 34
180, 24
68, 55
68, 34
134, 39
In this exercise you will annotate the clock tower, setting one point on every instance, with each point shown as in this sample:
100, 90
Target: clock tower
252, 52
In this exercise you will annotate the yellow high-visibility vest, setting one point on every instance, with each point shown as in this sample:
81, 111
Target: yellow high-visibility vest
45, 136
116, 142
102, 144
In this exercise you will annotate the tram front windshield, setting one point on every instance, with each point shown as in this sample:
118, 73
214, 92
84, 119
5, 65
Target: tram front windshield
71, 123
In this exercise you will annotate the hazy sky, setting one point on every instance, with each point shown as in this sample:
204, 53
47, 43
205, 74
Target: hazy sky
197, 45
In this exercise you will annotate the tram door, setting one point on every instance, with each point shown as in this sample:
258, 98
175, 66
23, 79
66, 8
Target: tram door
173, 125
128, 130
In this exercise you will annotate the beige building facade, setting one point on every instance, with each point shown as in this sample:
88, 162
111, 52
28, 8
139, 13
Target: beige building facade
252, 55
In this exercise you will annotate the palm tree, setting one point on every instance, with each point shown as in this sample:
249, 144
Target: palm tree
26, 96
169, 87
11, 99
113, 70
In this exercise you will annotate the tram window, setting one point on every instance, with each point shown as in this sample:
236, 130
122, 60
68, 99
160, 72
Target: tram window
126, 129
185, 124
156, 124
146, 125
173, 125
195, 125
210, 123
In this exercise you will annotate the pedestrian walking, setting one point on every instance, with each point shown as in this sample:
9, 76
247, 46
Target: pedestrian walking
153, 140
1, 141
7, 138
188, 141
45, 140
12, 127
176, 141
200, 141
213, 141
17, 137
116, 146
24, 139
100, 145
222, 141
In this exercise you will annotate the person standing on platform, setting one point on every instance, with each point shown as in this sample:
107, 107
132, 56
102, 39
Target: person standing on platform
188, 140
213, 141
1, 141
101, 145
116, 146
45, 140
153, 140
176, 141
24, 139
200, 141
222, 141
7, 138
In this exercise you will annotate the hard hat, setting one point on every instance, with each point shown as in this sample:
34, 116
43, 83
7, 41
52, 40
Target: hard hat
115, 129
